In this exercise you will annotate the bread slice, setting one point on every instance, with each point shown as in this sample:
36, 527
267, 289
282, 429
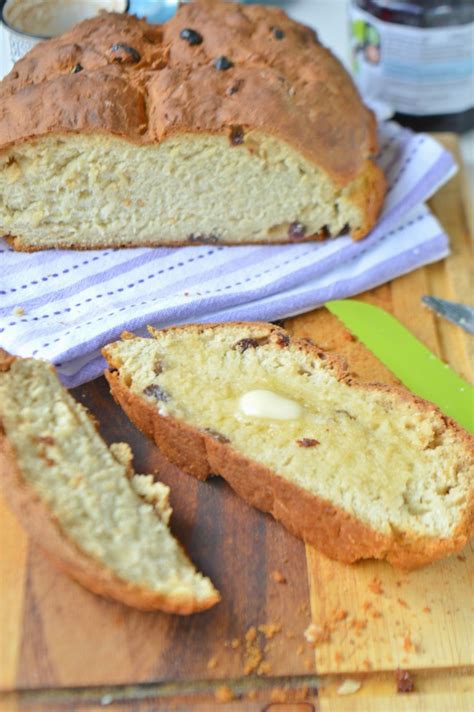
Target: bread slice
229, 124
359, 471
81, 501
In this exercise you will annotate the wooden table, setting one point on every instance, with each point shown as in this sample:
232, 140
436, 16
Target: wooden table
61, 645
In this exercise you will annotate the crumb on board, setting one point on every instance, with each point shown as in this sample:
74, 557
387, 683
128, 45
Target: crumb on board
338, 656
426, 609
408, 646
339, 614
316, 634
349, 687
253, 651
300, 650
234, 643
281, 695
404, 681
264, 668
367, 664
461, 557
269, 630
278, 577
402, 603
18, 311
224, 694
212, 663
375, 586
251, 634
358, 624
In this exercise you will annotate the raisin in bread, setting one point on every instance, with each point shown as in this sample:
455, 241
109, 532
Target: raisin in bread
228, 124
359, 471
81, 501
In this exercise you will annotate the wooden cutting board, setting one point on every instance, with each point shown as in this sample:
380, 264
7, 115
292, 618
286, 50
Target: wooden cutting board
60, 645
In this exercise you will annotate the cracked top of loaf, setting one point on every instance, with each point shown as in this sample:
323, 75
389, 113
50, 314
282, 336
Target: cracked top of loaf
242, 66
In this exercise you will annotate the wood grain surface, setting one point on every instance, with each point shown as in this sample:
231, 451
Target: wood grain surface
61, 645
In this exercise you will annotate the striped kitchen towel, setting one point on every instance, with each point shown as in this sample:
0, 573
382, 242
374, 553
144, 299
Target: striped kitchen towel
63, 306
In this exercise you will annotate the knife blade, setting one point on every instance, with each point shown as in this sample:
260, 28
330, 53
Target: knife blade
416, 366
459, 314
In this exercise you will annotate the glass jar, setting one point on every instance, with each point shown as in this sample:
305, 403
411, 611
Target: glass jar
418, 57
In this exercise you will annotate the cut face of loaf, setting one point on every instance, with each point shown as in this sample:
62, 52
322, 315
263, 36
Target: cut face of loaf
81, 502
357, 471
91, 191
230, 124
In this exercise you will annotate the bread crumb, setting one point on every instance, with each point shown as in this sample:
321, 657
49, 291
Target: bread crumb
358, 625
403, 603
375, 614
349, 687
264, 668
408, 643
269, 630
235, 643
375, 586
366, 605
426, 609
339, 615
224, 694
366, 663
253, 652
18, 311
309, 665
251, 634
338, 656
404, 681
300, 650
316, 634
278, 577
461, 557
279, 695
212, 663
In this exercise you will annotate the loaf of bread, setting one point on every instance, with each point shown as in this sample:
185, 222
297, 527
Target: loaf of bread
358, 471
81, 501
229, 124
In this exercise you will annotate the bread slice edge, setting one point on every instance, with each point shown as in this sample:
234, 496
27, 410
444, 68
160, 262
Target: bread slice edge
43, 527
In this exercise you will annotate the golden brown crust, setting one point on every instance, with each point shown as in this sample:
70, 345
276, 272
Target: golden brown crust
6, 359
41, 525
293, 88
16, 243
330, 529
367, 193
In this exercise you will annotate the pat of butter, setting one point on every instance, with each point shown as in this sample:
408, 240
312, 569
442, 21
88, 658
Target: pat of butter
267, 404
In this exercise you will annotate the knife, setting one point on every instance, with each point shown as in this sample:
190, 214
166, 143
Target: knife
459, 314
418, 369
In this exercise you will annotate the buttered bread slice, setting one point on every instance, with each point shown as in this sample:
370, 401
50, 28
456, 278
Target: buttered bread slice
81, 501
359, 471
